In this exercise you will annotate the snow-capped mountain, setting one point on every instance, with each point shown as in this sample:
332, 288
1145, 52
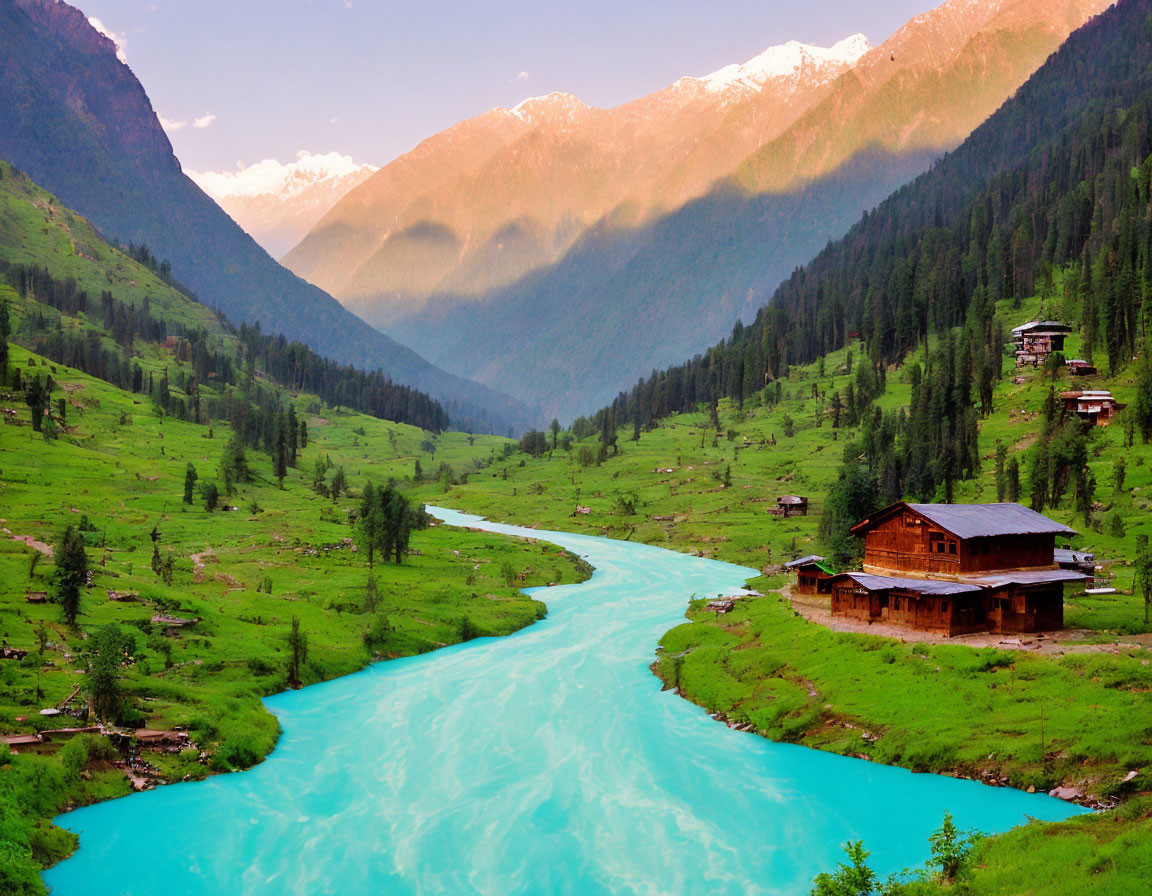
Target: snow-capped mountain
279, 202
484, 202
792, 60
497, 246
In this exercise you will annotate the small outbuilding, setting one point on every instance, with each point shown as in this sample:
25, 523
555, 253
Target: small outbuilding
790, 505
1080, 367
1098, 406
1076, 561
813, 574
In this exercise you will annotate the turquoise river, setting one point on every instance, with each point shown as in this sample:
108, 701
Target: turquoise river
545, 762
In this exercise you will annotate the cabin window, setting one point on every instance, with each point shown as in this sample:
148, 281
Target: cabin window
944, 606
895, 603
938, 544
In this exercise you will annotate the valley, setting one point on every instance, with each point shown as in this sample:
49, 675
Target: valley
290, 556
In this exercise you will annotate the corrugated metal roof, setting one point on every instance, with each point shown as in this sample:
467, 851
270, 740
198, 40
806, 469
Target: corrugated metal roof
979, 520
791, 499
804, 561
920, 586
1036, 577
1048, 324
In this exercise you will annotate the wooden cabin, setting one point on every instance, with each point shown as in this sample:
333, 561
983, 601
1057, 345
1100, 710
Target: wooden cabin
948, 608
1080, 367
1077, 561
1037, 339
813, 575
1097, 406
788, 505
957, 569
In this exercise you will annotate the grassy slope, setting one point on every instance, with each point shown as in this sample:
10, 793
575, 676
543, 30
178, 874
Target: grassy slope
36, 229
941, 708
127, 477
121, 465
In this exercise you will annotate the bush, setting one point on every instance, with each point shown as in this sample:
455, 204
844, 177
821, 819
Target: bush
241, 750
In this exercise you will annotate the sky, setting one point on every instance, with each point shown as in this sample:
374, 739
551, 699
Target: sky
238, 81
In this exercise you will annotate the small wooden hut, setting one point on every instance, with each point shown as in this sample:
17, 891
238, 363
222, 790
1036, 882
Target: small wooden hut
813, 575
1080, 367
1097, 406
790, 505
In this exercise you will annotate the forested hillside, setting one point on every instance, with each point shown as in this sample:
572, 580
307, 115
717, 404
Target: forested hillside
79, 122
1057, 180
108, 301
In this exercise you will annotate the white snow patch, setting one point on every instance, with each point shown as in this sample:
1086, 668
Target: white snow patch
783, 61
273, 177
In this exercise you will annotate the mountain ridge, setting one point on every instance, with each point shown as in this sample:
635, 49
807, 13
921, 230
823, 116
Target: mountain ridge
79, 123
613, 307
515, 187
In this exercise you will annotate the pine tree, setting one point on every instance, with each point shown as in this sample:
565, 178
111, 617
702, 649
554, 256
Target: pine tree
297, 652
1143, 579
292, 436
1001, 470
1013, 475
5, 332
36, 396
107, 651
339, 484
371, 595
189, 482
71, 572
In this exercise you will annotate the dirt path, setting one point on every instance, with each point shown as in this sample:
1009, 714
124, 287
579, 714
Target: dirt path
198, 562
816, 608
45, 549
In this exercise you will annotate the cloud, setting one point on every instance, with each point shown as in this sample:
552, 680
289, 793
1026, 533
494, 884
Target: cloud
203, 121
523, 76
149, 7
118, 39
171, 126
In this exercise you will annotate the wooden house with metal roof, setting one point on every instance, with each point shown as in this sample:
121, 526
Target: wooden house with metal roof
1037, 339
813, 574
1098, 406
957, 569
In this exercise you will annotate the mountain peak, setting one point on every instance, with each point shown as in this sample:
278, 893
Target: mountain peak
782, 61
273, 177
551, 107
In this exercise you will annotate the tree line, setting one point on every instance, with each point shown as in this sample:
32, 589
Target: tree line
291, 365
